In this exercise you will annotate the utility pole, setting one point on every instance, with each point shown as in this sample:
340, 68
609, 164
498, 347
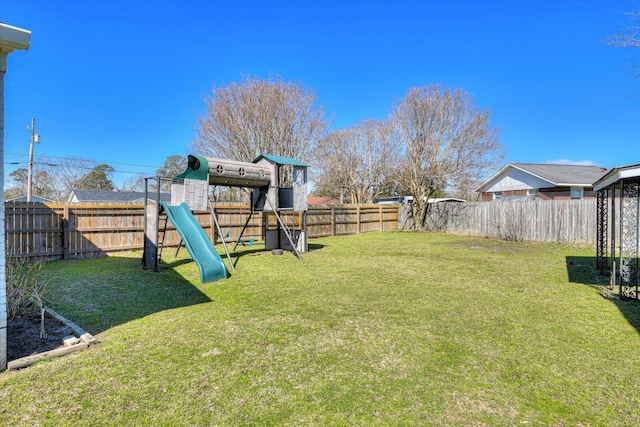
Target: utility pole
35, 138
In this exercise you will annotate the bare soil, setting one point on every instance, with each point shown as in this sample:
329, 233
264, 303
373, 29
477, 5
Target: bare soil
23, 335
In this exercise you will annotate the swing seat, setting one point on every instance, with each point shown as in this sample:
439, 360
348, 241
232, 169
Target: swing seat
247, 244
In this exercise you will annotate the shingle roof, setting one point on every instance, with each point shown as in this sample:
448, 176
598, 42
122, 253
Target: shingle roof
117, 196
563, 174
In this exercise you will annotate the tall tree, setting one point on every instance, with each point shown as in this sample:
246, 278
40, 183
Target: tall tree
260, 116
447, 141
173, 165
357, 160
42, 183
19, 181
70, 171
134, 183
97, 179
629, 36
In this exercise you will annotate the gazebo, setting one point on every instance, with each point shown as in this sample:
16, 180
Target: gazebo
618, 231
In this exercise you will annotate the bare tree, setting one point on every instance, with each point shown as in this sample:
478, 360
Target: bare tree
447, 140
358, 159
134, 183
629, 36
260, 117
53, 178
70, 171
42, 183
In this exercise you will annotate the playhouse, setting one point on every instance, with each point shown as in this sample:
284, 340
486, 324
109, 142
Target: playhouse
278, 189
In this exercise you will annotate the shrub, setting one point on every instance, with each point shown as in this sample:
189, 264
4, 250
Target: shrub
26, 286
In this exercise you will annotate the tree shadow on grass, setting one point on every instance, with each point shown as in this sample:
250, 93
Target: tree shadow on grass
98, 294
584, 270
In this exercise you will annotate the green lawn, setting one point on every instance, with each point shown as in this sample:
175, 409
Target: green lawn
375, 329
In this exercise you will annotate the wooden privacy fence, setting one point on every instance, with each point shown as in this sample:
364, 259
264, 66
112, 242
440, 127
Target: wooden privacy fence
57, 231
558, 221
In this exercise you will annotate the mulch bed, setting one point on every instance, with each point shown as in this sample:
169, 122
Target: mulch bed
23, 335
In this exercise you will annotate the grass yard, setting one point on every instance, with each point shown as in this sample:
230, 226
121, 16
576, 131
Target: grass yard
374, 329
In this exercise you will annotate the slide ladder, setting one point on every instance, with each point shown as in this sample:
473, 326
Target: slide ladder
197, 242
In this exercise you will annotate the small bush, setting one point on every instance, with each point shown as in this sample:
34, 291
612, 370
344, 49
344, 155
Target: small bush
26, 286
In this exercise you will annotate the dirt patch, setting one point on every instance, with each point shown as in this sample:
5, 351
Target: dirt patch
23, 335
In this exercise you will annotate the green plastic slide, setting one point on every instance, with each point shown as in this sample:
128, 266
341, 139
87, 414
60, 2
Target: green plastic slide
211, 266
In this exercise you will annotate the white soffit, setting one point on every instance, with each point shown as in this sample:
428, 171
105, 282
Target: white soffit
615, 175
12, 38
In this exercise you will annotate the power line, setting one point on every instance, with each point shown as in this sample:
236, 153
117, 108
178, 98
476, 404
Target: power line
80, 167
83, 159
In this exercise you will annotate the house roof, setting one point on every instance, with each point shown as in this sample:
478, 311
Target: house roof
557, 175
317, 200
115, 196
35, 199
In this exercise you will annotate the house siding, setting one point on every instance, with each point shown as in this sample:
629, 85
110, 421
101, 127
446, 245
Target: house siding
561, 193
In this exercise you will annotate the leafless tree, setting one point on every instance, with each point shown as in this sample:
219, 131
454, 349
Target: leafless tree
628, 36
135, 183
69, 171
42, 183
53, 178
358, 159
260, 117
447, 140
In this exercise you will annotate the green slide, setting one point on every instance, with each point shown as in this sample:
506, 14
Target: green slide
211, 266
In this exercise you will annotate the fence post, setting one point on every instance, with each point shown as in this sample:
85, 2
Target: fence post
333, 221
65, 232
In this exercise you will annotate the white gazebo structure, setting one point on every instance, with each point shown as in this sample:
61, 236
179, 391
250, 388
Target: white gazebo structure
618, 227
11, 38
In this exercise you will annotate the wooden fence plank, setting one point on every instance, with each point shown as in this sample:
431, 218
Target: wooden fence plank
69, 231
557, 221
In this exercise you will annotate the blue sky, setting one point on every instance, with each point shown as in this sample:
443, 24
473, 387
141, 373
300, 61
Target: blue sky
121, 82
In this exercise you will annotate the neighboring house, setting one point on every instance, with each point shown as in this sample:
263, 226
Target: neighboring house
34, 199
542, 181
446, 199
132, 197
313, 200
393, 200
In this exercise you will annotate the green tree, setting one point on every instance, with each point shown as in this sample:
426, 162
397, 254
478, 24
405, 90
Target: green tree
173, 166
42, 185
18, 188
97, 179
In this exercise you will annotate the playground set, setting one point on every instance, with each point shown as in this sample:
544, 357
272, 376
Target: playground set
278, 185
